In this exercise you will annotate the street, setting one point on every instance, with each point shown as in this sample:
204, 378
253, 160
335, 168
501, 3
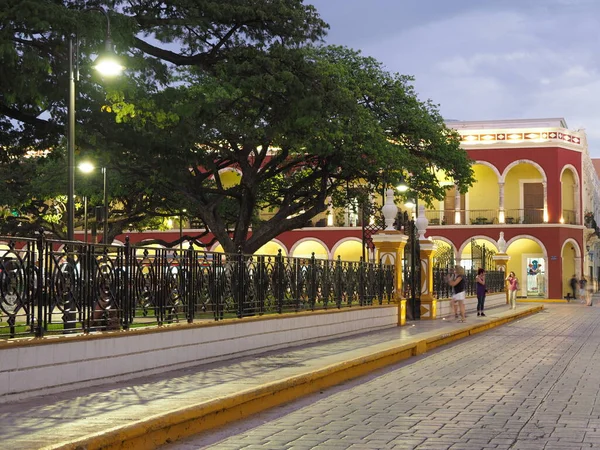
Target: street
531, 384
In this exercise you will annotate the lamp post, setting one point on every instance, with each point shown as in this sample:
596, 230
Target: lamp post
105, 204
85, 220
183, 211
87, 167
106, 64
414, 303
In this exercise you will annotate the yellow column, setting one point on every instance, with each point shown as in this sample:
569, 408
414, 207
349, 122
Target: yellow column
428, 302
390, 250
501, 260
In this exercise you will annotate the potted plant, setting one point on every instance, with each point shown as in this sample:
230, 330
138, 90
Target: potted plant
588, 218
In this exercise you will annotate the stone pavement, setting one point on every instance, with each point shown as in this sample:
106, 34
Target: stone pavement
531, 384
152, 410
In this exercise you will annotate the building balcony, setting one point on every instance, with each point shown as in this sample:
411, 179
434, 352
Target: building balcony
480, 217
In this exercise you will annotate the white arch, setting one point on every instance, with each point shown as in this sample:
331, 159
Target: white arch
475, 237
578, 252
311, 239
576, 195
282, 245
523, 161
341, 241
528, 236
491, 166
445, 240
573, 169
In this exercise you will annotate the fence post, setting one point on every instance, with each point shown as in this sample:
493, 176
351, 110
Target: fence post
41, 292
312, 283
128, 294
260, 283
279, 281
339, 282
239, 285
361, 282
192, 265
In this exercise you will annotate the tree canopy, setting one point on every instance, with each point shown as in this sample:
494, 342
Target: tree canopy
211, 87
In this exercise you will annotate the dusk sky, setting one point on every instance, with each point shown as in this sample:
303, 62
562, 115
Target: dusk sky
484, 59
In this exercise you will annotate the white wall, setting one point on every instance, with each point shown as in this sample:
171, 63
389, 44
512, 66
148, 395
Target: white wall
491, 301
57, 364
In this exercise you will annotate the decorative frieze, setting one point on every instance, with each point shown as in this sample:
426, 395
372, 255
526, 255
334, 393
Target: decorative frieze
502, 137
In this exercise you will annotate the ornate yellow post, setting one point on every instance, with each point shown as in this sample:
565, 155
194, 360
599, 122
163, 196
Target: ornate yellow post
390, 250
428, 302
389, 244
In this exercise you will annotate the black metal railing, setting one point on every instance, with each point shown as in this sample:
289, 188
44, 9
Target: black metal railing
491, 216
569, 217
527, 216
49, 286
494, 282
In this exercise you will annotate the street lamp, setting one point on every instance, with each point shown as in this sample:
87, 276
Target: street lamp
107, 64
87, 167
402, 186
183, 211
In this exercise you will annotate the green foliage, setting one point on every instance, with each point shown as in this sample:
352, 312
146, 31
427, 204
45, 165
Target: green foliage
211, 87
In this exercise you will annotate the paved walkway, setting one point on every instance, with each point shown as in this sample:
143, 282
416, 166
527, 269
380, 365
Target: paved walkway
175, 404
532, 384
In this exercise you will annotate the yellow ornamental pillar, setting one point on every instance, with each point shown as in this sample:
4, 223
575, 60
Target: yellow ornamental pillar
389, 246
428, 302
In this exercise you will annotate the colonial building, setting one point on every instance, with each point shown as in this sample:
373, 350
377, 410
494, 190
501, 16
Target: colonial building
536, 184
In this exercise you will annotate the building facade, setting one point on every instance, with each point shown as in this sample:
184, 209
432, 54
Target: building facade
536, 186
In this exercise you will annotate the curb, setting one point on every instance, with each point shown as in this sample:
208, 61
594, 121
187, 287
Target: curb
151, 432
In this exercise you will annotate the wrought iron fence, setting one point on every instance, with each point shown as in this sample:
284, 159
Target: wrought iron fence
494, 282
49, 286
481, 256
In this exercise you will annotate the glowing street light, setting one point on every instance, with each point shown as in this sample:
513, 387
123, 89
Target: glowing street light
107, 64
88, 167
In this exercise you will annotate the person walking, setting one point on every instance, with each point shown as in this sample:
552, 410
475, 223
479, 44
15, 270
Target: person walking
458, 283
583, 290
453, 305
574, 284
480, 291
513, 287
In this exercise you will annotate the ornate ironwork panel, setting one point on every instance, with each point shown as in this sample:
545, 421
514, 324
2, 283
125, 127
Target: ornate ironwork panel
49, 286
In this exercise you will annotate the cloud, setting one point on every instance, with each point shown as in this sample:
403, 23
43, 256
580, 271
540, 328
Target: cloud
487, 60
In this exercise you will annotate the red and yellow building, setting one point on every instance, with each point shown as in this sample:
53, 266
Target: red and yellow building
535, 183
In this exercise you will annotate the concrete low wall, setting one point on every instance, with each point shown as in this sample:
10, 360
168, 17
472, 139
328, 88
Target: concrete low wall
491, 301
32, 367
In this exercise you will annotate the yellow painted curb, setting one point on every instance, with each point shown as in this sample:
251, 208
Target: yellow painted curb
151, 432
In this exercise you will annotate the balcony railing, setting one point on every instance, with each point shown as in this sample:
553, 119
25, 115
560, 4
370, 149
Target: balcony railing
569, 217
491, 216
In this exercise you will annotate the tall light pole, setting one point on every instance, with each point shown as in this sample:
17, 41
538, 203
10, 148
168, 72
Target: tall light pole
107, 64
183, 211
87, 167
105, 204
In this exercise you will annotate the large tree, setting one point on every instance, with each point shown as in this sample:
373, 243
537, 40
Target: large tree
235, 85
33, 68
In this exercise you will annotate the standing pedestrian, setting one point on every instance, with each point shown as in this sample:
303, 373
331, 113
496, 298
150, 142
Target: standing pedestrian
453, 305
574, 284
513, 287
582, 290
458, 283
481, 290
